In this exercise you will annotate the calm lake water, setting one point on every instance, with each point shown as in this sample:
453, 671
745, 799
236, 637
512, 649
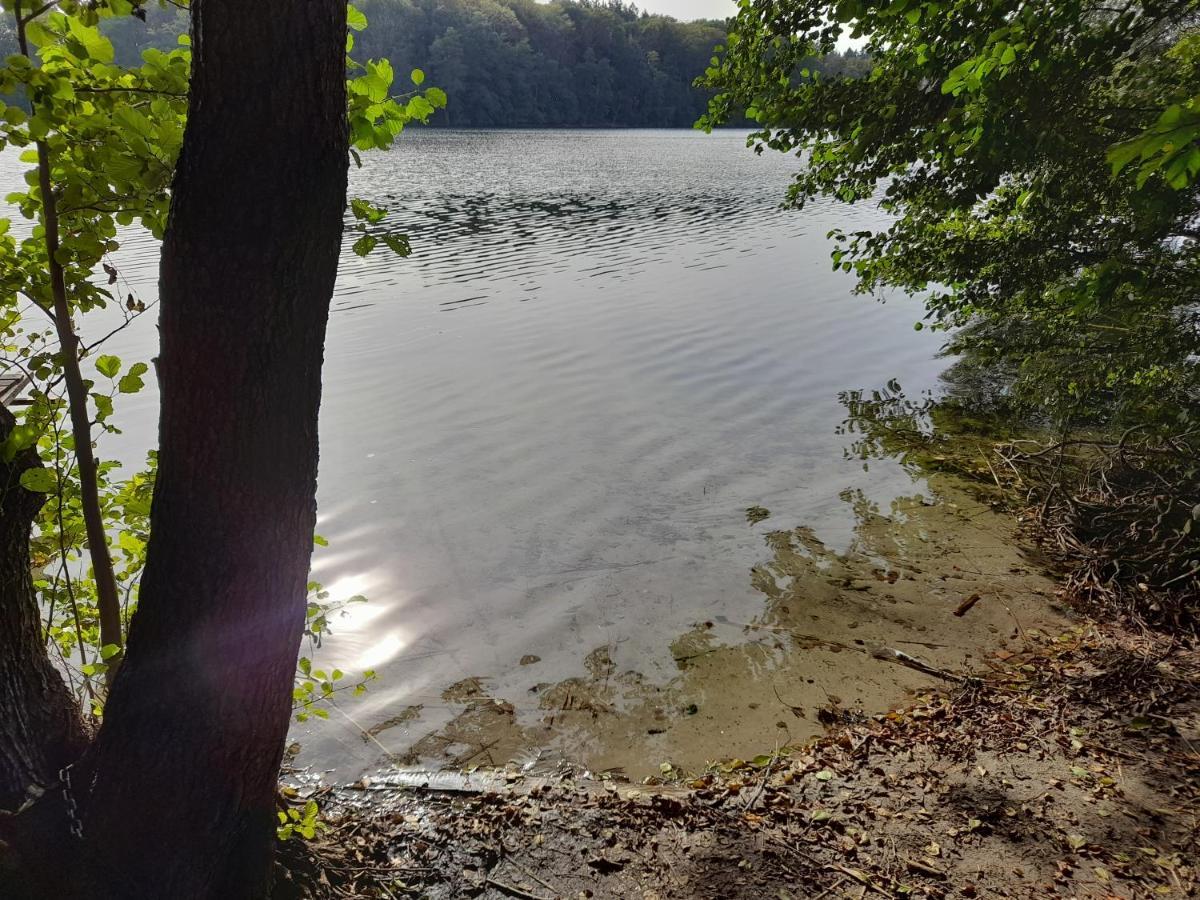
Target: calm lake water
541, 434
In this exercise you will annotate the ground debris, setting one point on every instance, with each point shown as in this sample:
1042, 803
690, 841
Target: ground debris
1070, 770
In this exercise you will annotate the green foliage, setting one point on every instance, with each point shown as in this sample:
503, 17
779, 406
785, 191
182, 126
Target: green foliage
298, 824
1001, 137
1172, 144
104, 138
314, 688
376, 115
368, 221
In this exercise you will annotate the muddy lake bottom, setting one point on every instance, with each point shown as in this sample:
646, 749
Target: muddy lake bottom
813, 652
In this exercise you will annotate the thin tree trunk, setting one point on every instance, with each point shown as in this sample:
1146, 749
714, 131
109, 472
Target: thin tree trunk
186, 764
107, 599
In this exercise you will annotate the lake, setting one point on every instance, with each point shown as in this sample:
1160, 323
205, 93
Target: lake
541, 434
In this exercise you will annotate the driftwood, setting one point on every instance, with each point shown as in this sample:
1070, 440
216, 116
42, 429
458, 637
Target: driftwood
899, 657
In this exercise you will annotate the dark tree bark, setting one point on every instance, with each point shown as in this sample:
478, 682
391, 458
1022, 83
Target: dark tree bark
40, 726
184, 771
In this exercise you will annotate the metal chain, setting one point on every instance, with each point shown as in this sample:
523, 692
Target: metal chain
76, 826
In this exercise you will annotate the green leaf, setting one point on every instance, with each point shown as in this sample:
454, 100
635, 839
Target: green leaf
39, 35
22, 436
355, 18
418, 77
108, 365
95, 44
398, 243
364, 211
39, 480
130, 383
1120, 155
365, 244
39, 127
130, 543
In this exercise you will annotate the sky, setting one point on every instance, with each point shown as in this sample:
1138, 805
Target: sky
689, 9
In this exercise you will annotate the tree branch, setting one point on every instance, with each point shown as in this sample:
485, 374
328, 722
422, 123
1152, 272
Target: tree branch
33, 14
132, 90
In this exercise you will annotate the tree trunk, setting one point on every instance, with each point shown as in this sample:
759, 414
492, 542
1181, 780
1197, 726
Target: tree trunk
185, 767
40, 727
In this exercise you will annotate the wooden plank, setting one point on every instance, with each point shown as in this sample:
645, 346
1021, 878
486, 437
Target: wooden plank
11, 387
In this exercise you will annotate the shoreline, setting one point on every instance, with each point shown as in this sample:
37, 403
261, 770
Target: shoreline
999, 788
1066, 763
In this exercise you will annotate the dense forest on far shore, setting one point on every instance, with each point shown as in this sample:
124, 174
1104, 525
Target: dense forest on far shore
520, 63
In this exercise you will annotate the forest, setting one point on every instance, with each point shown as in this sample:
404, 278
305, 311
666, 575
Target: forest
521, 63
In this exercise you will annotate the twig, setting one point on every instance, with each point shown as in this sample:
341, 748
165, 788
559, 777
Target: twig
533, 876
838, 882
965, 606
762, 785
514, 891
1194, 570
861, 878
915, 865
988, 462
888, 654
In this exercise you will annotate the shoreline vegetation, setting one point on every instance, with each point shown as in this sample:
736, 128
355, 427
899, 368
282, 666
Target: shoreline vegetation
1066, 765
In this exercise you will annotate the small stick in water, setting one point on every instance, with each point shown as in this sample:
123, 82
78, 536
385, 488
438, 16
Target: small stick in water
965, 606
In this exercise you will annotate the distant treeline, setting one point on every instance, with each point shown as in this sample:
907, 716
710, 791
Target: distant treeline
522, 63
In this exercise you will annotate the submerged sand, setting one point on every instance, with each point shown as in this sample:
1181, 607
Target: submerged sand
810, 658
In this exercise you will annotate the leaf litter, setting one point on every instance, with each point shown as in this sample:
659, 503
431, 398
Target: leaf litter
1068, 769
